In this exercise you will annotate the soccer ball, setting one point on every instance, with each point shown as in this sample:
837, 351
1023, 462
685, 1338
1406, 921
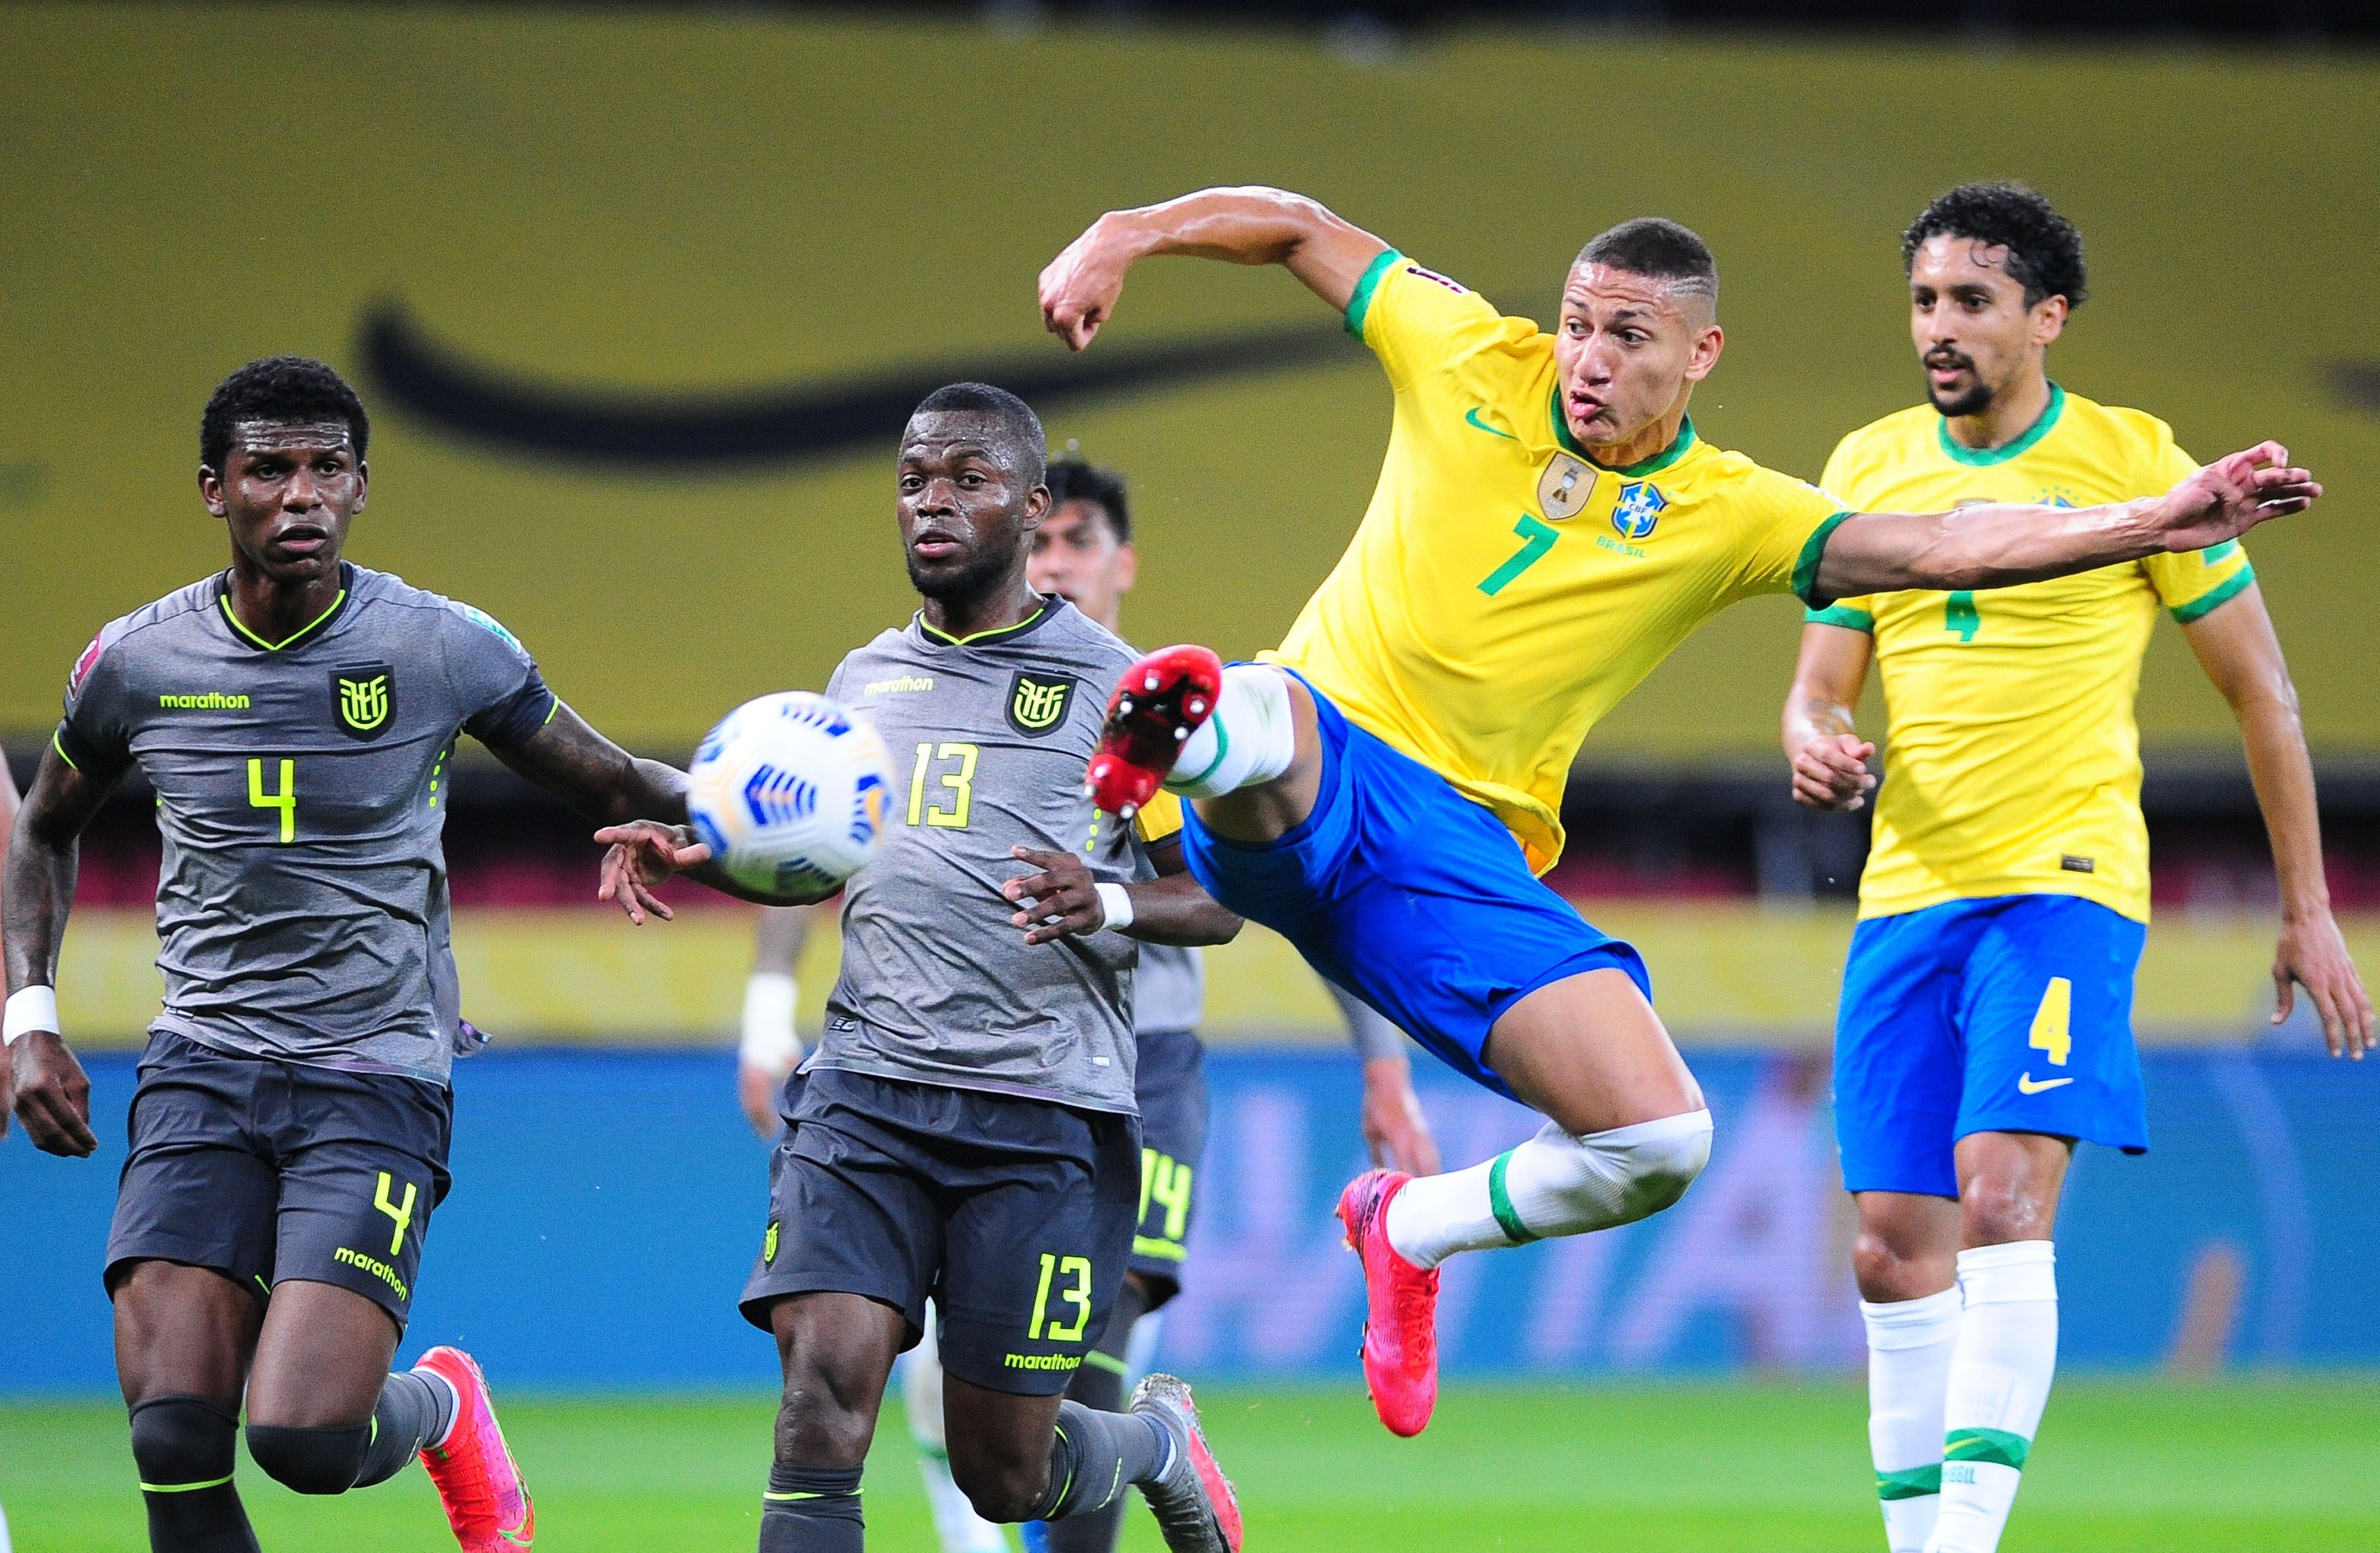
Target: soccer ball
788, 792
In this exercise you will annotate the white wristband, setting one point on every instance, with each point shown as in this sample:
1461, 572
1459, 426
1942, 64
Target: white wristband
36, 1008
769, 1040
1116, 901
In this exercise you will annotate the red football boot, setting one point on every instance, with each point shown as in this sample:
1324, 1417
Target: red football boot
1400, 1308
486, 1501
1157, 704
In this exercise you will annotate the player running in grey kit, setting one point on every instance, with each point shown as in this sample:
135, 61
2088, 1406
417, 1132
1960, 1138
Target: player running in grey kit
296, 716
966, 1130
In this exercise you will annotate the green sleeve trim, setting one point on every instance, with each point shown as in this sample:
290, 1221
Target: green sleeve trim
2206, 605
1499, 1203
1844, 615
1163, 1250
61, 750
1996, 1446
1107, 1362
1910, 1483
552, 710
1361, 302
1805, 570
2223, 551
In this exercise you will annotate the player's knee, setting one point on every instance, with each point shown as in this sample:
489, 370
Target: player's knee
311, 1461
1657, 1161
181, 1443
1994, 1208
815, 1430
1887, 1274
1004, 1488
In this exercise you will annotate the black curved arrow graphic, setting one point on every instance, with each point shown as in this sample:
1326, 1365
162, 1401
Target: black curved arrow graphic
779, 425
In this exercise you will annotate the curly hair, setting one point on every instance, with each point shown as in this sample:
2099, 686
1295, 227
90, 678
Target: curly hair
288, 389
2044, 252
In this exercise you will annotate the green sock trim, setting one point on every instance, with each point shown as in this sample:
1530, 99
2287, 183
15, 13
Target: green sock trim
1107, 1362
1996, 1446
184, 1487
1222, 747
1910, 1483
1499, 1203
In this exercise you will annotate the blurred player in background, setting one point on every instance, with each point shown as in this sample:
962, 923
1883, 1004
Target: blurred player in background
297, 715
967, 1128
1362, 793
1986, 1022
1082, 552
7, 1090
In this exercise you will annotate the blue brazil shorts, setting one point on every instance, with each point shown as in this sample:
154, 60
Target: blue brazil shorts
1410, 896
2007, 1015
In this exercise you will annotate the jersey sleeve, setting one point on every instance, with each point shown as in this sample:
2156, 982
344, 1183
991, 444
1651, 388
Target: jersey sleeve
1790, 521
1417, 319
2192, 583
502, 696
96, 735
1851, 614
1157, 819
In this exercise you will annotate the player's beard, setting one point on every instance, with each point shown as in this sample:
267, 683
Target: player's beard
979, 575
1974, 399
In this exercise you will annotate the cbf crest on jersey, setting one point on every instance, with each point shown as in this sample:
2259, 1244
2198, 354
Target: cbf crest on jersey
1037, 703
1639, 508
363, 699
1563, 488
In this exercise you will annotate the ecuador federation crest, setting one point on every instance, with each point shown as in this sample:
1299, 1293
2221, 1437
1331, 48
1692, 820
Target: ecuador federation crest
1037, 703
1563, 488
363, 699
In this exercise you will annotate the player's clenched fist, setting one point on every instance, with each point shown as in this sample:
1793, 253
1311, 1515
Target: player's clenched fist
1830, 772
1080, 286
52, 1094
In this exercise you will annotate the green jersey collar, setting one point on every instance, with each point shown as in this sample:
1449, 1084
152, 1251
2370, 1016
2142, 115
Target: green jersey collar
1983, 456
304, 633
1679, 447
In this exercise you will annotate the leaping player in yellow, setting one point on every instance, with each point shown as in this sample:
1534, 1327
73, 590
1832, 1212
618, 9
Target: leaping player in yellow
1546, 527
1986, 1021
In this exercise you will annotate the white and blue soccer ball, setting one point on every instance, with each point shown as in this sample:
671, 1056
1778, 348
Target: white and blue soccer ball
789, 793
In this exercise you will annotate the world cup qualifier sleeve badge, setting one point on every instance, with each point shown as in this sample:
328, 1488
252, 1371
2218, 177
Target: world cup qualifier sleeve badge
1037, 703
363, 699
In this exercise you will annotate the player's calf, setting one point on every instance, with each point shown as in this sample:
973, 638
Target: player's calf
185, 1448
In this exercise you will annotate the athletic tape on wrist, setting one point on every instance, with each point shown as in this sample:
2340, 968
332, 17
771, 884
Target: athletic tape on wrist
769, 1043
1117, 902
35, 1008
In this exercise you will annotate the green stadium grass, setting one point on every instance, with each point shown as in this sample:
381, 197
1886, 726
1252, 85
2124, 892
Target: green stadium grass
2267, 1466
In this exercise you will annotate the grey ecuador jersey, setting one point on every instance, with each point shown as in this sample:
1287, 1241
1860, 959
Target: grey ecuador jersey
1170, 990
301, 905
989, 738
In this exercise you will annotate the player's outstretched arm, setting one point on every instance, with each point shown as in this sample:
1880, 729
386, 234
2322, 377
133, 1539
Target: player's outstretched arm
1062, 899
2238, 647
52, 1096
1252, 225
1828, 757
1996, 546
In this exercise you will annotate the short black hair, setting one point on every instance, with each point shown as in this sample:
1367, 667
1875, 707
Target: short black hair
293, 390
2044, 252
1072, 478
1020, 433
1657, 248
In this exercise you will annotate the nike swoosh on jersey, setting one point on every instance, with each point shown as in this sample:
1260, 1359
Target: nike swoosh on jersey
2027, 1084
1472, 417
788, 424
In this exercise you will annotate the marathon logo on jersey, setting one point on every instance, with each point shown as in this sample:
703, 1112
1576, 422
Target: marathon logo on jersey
768, 1244
1037, 703
363, 699
1640, 508
1563, 488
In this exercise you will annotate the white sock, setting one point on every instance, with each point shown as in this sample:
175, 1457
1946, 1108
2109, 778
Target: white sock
1251, 739
1553, 1184
2000, 1380
1909, 1348
955, 1521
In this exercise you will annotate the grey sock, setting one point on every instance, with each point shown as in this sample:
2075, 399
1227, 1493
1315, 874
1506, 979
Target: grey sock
809, 1510
1096, 1455
414, 1410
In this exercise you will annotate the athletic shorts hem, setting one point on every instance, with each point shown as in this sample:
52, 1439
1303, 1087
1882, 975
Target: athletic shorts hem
763, 1295
122, 1259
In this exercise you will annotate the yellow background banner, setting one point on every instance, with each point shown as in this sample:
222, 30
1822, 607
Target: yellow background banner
709, 202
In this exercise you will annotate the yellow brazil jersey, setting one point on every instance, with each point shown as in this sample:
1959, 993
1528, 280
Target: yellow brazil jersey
1504, 592
2014, 763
